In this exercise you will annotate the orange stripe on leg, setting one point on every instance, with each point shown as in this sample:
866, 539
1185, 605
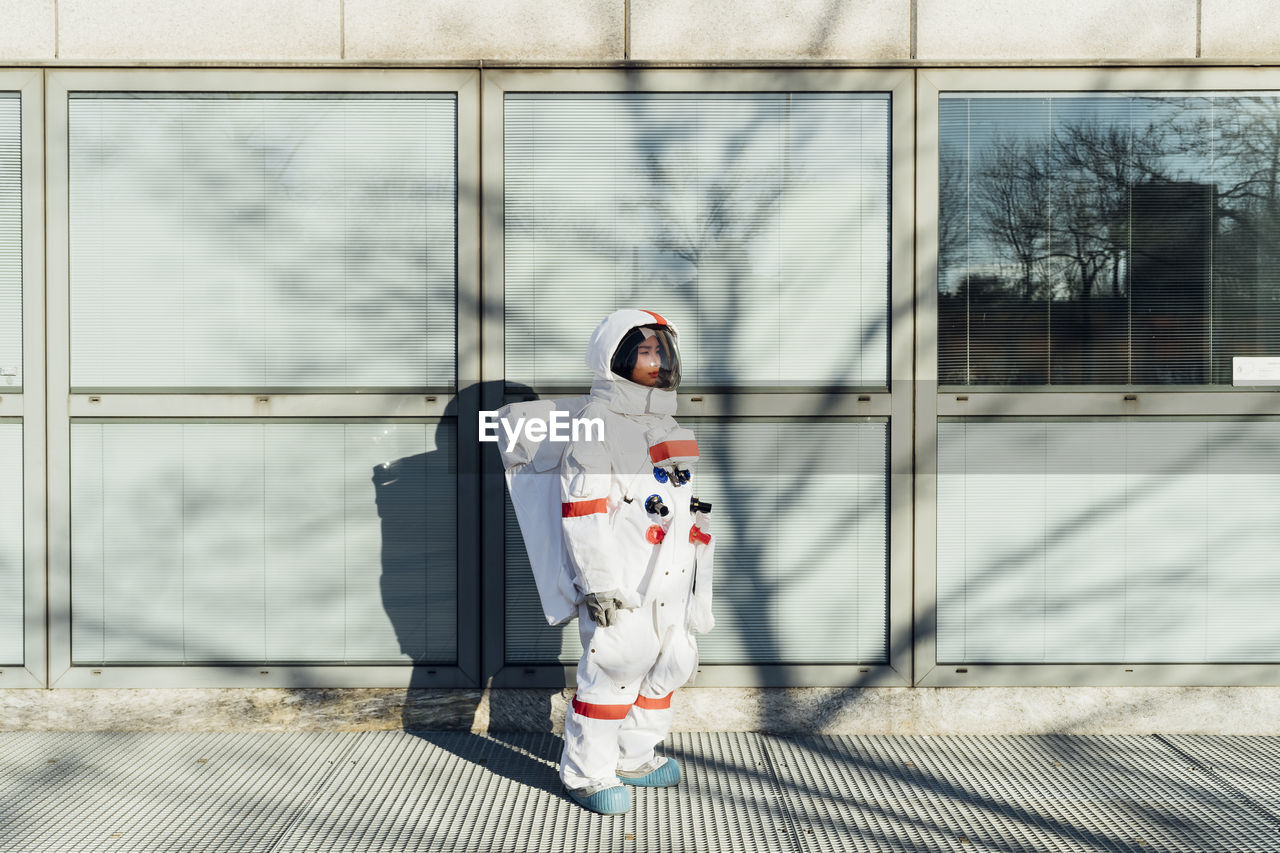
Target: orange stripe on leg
600, 712
654, 704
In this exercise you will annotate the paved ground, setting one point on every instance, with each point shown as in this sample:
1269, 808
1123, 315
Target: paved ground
392, 791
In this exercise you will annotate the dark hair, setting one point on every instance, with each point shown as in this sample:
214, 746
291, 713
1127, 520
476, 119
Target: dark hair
624, 357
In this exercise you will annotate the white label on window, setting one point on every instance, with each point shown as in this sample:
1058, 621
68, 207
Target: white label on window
1251, 370
8, 371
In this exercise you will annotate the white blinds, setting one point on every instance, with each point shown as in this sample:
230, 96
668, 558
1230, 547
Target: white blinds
803, 509
246, 242
11, 559
263, 542
10, 240
802, 562
1096, 542
758, 223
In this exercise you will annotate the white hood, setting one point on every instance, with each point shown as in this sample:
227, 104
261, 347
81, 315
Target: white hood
614, 392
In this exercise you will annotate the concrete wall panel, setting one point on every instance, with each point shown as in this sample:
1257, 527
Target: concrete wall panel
1239, 29
508, 30
854, 30
1018, 31
26, 29
140, 30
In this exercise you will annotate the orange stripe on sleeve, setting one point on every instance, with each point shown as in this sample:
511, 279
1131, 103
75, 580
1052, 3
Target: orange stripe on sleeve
654, 704
579, 508
667, 449
600, 712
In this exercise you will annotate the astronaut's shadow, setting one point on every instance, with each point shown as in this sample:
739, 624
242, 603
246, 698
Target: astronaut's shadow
419, 591
526, 758
418, 583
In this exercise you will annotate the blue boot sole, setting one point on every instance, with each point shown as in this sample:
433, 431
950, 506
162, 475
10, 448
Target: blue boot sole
610, 801
664, 777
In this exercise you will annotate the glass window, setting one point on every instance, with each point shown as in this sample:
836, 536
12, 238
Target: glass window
262, 241
758, 222
11, 558
802, 564
264, 542
1107, 239
10, 241
1125, 541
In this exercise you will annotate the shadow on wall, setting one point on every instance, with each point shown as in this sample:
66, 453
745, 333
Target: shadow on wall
418, 583
420, 591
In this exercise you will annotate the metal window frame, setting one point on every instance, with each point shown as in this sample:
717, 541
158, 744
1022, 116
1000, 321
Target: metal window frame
64, 406
933, 401
895, 402
27, 403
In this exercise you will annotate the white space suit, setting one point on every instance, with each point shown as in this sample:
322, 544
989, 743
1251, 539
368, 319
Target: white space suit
635, 543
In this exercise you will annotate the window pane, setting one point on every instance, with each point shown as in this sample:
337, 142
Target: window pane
246, 242
1107, 239
802, 564
10, 240
271, 542
1108, 542
11, 560
758, 223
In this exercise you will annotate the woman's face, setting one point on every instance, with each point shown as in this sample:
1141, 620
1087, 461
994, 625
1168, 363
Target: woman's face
648, 362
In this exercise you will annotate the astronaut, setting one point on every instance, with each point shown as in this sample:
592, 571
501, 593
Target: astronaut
638, 545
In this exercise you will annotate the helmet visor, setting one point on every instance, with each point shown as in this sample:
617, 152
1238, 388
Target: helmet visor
648, 356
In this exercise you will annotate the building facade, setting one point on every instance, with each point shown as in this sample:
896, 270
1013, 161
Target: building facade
977, 306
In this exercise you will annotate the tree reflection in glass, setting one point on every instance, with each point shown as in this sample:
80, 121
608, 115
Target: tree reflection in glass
1107, 239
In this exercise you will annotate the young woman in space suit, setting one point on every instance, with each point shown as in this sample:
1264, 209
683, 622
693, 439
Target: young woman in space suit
637, 541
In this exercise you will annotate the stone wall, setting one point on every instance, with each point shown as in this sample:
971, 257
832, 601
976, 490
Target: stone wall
815, 710
568, 32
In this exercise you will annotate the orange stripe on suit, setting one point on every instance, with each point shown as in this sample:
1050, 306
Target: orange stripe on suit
654, 704
578, 508
668, 449
600, 712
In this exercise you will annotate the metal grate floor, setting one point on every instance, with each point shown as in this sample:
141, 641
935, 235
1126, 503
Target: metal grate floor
395, 791
126, 791
1011, 794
